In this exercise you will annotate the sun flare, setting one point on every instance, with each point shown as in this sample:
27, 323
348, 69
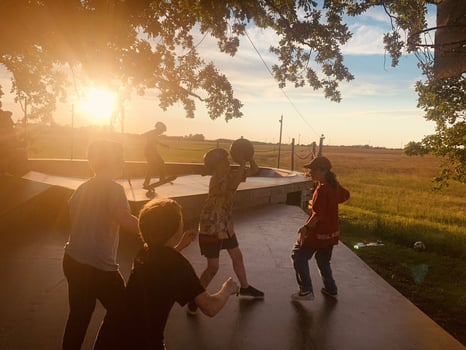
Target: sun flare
99, 104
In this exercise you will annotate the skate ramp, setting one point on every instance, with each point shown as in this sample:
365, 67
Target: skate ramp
16, 191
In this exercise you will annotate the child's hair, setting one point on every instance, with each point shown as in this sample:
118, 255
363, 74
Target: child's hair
331, 179
161, 127
159, 220
104, 153
213, 157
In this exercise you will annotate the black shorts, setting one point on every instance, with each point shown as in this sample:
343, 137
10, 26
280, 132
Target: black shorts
211, 246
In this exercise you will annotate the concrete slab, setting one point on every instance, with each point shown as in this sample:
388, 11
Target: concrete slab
369, 313
16, 191
183, 185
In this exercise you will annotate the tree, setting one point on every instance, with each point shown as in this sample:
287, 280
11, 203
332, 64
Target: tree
146, 44
444, 102
142, 44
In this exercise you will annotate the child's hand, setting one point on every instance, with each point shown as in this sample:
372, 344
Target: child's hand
303, 233
188, 237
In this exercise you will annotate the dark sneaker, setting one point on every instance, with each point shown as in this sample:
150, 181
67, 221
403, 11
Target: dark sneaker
298, 296
250, 291
327, 293
192, 308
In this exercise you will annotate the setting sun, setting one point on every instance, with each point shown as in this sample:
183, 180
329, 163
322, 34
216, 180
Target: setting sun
99, 104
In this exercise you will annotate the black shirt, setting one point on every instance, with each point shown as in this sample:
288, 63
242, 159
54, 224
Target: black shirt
160, 277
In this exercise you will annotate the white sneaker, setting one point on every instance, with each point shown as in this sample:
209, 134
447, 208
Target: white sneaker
302, 296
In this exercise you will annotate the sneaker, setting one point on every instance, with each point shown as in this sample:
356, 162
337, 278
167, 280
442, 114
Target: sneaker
250, 291
302, 296
327, 293
192, 308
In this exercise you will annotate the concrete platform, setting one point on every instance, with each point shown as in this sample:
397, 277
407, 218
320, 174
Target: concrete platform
369, 313
269, 187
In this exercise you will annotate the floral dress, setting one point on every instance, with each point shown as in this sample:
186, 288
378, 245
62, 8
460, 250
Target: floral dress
216, 216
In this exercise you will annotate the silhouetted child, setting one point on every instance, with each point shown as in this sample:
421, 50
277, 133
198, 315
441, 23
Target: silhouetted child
155, 162
320, 232
216, 230
161, 276
97, 209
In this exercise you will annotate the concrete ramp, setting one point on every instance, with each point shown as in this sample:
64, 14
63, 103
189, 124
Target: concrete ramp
368, 315
15, 191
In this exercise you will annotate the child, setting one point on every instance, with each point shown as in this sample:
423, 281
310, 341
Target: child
97, 209
320, 232
155, 163
216, 225
161, 276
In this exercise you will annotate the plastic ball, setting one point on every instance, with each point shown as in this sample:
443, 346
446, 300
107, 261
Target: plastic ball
241, 150
419, 246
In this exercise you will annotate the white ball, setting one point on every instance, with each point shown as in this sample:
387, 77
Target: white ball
419, 246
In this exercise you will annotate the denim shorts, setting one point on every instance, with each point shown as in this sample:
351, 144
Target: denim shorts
211, 246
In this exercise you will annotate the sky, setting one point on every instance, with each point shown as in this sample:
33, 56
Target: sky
378, 107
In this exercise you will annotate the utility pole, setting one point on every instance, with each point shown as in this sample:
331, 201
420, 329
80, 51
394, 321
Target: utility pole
280, 140
292, 154
321, 143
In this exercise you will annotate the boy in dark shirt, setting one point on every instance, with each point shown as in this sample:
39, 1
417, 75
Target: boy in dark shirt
161, 276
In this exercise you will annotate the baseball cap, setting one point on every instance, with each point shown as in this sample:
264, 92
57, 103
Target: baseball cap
319, 162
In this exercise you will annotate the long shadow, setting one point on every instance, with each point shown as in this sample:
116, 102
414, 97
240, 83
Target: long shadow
310, 325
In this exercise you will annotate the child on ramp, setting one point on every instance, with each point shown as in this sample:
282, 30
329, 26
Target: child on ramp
216, 230
320, 232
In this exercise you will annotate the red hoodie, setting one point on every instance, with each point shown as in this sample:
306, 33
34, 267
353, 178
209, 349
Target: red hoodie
324, 205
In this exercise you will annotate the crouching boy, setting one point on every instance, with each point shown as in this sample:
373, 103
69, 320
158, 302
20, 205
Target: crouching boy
161, 276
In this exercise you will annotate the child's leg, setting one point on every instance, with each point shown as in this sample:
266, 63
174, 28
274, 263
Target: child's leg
300, 257
149, 173
82, 300
209, 273
323, 257
111, 293
238, 266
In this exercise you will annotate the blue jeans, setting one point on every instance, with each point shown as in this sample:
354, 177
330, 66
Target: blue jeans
301, 256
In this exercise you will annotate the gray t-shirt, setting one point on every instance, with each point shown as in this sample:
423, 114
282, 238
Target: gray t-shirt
94, 234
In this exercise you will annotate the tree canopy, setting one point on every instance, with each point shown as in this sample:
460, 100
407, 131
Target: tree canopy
141, 44
135, 45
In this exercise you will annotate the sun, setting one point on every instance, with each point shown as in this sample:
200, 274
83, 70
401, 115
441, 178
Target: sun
98, 104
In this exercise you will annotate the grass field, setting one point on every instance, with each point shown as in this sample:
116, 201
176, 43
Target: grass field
391, 200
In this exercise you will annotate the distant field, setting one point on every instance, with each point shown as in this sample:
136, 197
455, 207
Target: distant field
391, 200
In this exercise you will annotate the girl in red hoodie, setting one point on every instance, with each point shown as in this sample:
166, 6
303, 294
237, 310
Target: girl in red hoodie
320, 232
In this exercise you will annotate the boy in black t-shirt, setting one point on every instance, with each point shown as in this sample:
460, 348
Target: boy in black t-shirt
161, 276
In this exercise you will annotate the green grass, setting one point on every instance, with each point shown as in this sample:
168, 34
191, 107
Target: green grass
391, 200
399, 207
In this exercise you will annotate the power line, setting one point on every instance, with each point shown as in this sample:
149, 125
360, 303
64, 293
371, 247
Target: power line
284, 93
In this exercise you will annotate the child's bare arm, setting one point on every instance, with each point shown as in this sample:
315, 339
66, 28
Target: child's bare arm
239, 176
126, 220
242, 172
253, 168
188, 237
211, 304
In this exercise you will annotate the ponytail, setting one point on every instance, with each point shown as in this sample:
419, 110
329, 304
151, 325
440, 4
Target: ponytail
331, 179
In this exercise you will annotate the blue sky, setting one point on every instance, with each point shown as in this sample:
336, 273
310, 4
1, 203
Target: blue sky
378, 107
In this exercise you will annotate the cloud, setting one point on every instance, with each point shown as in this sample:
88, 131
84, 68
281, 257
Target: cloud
366, 40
